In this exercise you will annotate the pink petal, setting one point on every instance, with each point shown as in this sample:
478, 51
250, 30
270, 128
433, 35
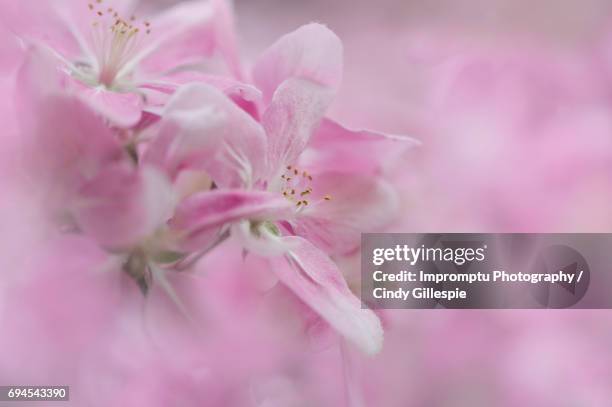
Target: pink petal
122, 206
312, 52
68, 300
203, 129
362, 151
225, 35
207, 211
11, 51
244, 95
189, 32
294, 113
358, 204
317, 281
39, 76
40, 21
64, 141
121, 109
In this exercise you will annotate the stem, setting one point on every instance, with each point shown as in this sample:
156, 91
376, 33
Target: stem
191, 260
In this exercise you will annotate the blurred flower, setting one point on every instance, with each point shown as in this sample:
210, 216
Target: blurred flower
116, 62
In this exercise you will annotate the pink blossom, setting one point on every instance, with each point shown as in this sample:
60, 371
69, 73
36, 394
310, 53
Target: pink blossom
121, 64
150, 202
134, 209
300, 209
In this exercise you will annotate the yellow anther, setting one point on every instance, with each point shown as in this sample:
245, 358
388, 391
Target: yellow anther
327, 198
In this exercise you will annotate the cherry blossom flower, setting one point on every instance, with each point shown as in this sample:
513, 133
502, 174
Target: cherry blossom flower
258, 162
323, 206
122, 64
127, 203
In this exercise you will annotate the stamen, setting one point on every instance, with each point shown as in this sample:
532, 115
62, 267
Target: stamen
115, 42
299, 187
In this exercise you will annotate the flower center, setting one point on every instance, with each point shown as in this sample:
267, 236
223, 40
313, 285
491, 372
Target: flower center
115, 41
258, 227
136, 267
297, 187
142, 260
